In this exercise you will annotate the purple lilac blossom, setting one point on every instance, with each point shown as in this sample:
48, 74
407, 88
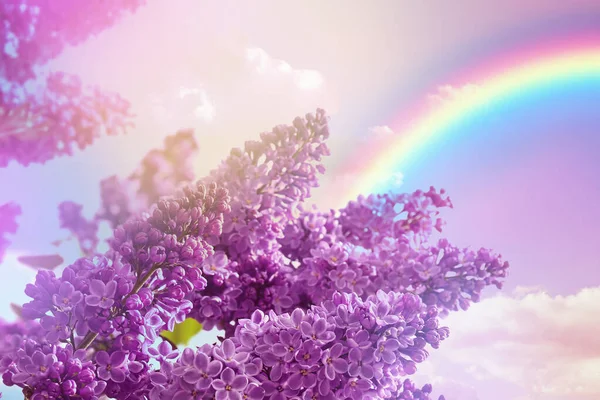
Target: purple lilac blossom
160, 173
156, 259
338, 350
84, 230
337, 305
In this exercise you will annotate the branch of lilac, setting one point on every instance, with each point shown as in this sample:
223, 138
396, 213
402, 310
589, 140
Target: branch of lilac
314, 305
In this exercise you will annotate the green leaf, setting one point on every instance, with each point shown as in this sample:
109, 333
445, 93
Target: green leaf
183, 332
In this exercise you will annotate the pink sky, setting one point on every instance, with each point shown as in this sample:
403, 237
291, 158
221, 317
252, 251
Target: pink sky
234, 69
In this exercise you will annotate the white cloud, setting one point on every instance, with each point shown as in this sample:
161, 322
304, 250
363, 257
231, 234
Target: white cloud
396, 180
522, 291
448, 93
263, 63
183, 108
186, 91
380, 131
451, 389
196, 99
454, 390
548, 345
206, 109
308, 79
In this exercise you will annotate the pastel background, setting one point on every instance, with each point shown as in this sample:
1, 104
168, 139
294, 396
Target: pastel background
497, 102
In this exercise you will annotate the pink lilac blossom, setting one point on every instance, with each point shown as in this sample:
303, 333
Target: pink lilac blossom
36, 126
44, 117
337, 305
37, 31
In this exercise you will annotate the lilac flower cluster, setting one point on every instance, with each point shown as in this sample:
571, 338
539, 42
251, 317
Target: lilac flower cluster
369, 222
12, 336
268, 181
44, 29
337, 305
114, 202
235, 289
382, 242
161, 172
45, 117
8, 213
345, 348
84, 230
53, 372
123, 301
393, 215
441, 274
65, 115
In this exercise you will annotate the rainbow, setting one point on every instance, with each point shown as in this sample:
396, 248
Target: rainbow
496, 82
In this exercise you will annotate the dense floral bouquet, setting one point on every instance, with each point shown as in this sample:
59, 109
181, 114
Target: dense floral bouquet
313, 305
